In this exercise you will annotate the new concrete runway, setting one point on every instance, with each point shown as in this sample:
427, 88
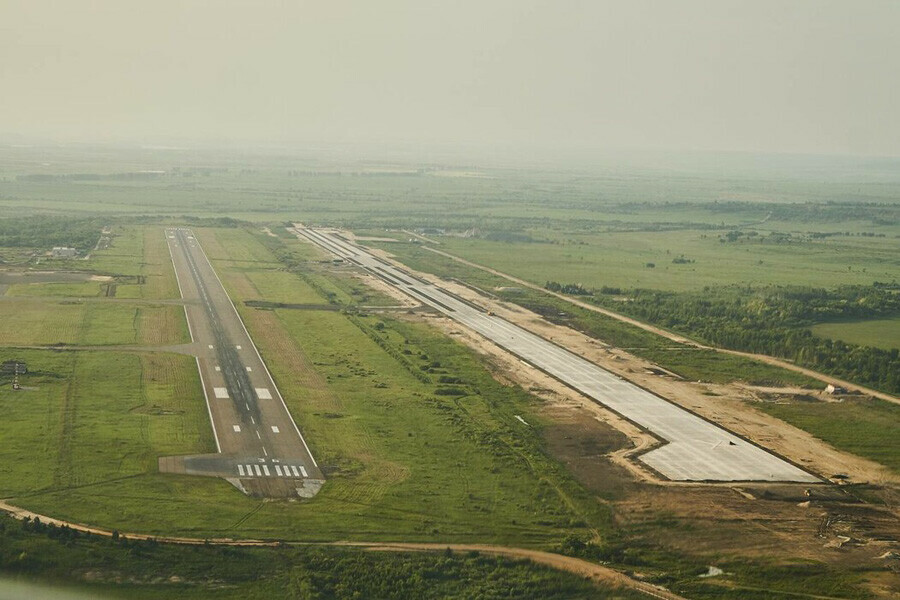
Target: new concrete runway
261, 450
695, 449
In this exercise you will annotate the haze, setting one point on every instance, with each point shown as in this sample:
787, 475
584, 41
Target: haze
801, 77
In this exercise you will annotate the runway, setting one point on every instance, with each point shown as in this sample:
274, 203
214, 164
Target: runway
695, 449
260, 448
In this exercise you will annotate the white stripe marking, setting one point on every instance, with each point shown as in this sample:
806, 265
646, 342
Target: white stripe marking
303, 472
210, 346
249, 369
218, 368
294, 469
266, 470
238, 347
220, 392
258, 472
250, 470
278, 470
264, 393
237, 428
275, 429
241, 470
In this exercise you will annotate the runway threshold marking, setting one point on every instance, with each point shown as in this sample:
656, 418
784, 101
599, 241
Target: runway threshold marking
303, 471
278, 470
241, 470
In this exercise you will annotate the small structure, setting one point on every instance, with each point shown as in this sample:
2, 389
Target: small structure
63, 252
835, 389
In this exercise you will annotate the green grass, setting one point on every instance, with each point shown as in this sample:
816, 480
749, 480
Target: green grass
87, 289
880, 333
696, 364
33, 322
91, 417
619, 259
868, 428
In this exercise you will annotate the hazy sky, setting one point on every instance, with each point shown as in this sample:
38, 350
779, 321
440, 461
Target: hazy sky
804, 76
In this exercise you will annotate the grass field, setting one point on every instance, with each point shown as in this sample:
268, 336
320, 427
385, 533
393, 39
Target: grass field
41, 322
868, 428
620, 259
880, 333
86, 418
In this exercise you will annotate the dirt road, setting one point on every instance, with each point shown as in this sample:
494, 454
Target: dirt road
577, 566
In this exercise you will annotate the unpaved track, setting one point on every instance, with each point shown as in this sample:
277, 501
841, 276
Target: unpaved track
673, 336
577, 566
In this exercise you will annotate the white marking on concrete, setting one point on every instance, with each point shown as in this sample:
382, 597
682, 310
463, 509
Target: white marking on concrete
275, 429
220, 392
218, 368
263, 393
303, 472
241, 470
210, 346
252, 420
258, 472
249, 369
238, 347
237, 428
257, 434
278, 470
266, 470
264, 451
294, 469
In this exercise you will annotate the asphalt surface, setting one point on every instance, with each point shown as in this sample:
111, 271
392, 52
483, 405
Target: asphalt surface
696, 449
260, 448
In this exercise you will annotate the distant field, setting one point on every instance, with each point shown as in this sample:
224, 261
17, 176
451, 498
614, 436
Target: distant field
880, 333
620, 259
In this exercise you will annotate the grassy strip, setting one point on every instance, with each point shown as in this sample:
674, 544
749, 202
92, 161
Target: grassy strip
868, 427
